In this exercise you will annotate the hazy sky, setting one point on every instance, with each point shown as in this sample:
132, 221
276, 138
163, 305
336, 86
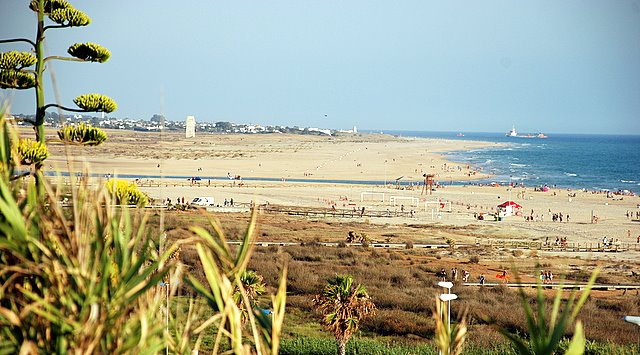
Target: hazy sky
550, 66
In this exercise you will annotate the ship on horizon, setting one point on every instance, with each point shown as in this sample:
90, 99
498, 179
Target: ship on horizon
514, 133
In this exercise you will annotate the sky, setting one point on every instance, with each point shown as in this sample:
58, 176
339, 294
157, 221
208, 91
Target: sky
463, 66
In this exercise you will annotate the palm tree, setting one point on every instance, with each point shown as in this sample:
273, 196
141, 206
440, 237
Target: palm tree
343, 306
253, 284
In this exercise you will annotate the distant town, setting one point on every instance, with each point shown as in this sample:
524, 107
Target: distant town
157, 123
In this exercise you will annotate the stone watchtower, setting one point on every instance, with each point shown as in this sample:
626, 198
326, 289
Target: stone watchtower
190, 127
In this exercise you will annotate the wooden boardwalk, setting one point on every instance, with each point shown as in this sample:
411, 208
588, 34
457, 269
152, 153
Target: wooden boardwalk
576, 286
338, 212
337, 244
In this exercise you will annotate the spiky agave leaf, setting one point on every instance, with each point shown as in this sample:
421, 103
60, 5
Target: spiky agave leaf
82, 134
31, 151
69, 16
90, 52
17, 60
15, 79
545, 337
96, 103
55, 276
450, 341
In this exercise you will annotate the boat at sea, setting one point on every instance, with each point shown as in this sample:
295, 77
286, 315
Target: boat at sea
514, 133
460, 135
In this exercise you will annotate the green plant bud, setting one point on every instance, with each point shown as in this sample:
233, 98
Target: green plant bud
69, 17
17, 60
96, 103
90, 52
82, 134
31, 152
14, 79
126, 193
50, 5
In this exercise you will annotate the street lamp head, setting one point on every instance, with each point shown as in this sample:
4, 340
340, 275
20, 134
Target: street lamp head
448, 297
632, 319
445, 284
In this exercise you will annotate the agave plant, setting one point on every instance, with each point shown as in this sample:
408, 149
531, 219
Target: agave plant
450, 341
227, 292
90, 278
85, 283
545, 334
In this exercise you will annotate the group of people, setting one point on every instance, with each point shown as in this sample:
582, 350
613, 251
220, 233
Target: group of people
559, 217
442, 274
228, 202
559, 241
546, 277
633, 215
609, 242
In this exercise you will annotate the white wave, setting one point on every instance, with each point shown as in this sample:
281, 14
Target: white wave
629, 181
518, 165
570, 174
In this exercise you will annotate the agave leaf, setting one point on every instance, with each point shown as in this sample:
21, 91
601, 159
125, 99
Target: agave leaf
10, 316
245, 250
577, 345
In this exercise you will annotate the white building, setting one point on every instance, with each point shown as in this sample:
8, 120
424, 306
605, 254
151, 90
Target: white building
190, 127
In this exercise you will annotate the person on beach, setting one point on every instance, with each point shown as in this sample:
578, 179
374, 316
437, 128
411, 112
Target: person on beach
482, 279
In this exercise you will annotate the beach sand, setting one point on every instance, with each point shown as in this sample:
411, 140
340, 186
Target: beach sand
356, 157
278, 156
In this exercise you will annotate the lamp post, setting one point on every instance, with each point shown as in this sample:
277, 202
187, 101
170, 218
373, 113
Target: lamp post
447, 298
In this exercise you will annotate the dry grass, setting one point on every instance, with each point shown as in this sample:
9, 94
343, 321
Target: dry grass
402, 283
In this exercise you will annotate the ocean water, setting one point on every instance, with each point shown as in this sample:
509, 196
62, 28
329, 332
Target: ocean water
594, 162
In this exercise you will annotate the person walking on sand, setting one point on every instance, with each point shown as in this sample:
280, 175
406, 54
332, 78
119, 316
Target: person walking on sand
482, 279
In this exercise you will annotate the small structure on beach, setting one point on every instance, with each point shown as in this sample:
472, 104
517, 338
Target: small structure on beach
509, 208
190, 125
428, 184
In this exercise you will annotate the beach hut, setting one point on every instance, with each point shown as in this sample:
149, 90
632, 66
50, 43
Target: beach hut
509, 208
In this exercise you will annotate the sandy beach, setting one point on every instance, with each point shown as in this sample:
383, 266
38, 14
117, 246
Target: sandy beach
349, 157
357, 157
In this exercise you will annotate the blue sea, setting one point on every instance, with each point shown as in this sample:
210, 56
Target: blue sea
594, 162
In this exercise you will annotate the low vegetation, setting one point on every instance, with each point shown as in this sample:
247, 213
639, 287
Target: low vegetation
402, 283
